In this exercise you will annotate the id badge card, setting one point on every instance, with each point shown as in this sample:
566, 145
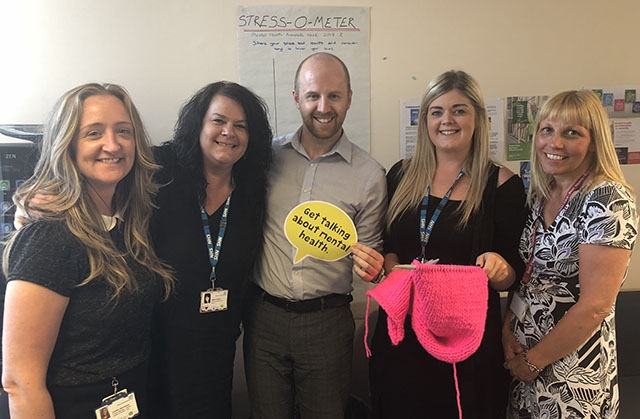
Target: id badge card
518, 307
213, 300
121, 405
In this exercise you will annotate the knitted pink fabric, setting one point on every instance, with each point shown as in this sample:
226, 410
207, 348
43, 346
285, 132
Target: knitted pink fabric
449, 309
394, 295
448, 305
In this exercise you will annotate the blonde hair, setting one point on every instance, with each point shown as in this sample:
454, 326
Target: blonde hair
420, 169
57, 192
583, 108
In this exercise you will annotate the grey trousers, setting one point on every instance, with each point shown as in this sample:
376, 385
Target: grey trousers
297, 360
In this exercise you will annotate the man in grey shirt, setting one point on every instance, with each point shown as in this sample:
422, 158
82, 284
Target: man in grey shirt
299, 328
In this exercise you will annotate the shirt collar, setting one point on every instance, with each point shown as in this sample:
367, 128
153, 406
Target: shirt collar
111, 222
342, 147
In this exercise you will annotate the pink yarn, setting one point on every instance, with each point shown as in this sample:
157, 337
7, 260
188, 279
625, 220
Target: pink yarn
449, 309
448, 305
395, 293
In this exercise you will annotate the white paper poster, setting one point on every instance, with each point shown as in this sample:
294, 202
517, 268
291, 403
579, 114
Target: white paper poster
622, 104
626, 138
409, 115
272, 40
495, 112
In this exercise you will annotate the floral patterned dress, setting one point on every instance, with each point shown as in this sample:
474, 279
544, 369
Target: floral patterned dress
584, 383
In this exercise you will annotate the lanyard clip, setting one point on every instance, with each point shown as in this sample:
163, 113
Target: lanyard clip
422, 257
114, 384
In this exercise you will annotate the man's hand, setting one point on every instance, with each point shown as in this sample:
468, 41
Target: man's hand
367, 262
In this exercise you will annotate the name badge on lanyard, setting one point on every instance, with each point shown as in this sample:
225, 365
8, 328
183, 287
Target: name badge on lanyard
519, 307
214, 299
120, 405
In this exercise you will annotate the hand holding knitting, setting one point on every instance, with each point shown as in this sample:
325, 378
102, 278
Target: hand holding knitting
501, 275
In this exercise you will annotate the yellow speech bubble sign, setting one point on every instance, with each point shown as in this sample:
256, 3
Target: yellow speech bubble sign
321, 230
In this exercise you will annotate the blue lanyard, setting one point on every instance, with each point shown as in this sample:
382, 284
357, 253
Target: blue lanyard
425, 229
214, 252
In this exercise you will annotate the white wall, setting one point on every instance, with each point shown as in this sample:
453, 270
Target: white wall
163, 51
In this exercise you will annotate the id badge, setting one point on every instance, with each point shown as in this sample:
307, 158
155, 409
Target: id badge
518, 307
121, 405
213, 300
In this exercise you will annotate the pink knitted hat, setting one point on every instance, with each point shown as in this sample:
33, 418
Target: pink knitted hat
449, 309
448, 305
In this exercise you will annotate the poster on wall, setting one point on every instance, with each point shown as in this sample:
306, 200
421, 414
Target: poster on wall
525, 174
619, 101
622, 104
409, 117
495, 112
272, 40
410, 114
626, 139
521, 116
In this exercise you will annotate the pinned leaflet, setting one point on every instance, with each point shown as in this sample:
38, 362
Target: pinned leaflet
321, 230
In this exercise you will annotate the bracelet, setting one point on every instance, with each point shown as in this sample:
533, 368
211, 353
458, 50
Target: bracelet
531, 367
381, 275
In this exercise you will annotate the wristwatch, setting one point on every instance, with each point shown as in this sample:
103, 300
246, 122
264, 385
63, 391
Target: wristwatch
381, 275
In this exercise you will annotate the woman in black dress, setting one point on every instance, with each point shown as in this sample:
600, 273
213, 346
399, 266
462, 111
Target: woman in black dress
214, 174
482, 215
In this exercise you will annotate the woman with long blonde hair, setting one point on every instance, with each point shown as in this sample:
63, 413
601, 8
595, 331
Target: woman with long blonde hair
82, 275
577, 244
471, 212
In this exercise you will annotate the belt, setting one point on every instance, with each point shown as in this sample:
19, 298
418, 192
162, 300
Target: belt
309, 306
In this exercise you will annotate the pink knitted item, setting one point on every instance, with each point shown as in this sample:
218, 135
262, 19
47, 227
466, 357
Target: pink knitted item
393, 293
449, 309
448, 305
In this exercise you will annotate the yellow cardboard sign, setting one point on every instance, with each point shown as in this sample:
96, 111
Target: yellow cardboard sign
321, 230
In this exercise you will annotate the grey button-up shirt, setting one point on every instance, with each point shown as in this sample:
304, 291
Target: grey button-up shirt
347, 177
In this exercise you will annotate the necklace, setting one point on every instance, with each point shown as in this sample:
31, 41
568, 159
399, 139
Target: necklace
107, 206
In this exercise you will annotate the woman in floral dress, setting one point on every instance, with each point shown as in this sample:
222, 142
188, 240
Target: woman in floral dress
559, 334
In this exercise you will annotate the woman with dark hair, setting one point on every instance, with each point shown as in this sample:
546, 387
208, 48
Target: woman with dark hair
208, 227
